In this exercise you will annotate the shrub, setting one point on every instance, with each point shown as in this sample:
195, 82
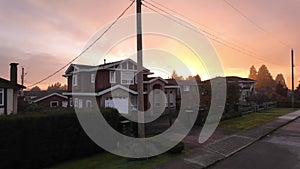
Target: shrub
38, 140
177, 149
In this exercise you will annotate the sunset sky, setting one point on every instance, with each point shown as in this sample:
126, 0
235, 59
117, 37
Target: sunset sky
44, 35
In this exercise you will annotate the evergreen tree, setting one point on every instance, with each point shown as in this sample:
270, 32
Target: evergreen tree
264, 78
280, 80
253, 73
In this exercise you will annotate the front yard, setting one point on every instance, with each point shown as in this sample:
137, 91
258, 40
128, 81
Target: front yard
251, 120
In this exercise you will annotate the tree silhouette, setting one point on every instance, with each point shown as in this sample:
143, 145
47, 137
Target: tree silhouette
176, 76
280, 80
253, 73
56, 86
35, 88
264, 78
198, 78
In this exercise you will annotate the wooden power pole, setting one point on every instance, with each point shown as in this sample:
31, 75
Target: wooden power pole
293, 97
140, 87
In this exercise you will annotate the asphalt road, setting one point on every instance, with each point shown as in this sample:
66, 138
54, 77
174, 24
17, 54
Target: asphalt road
279, 150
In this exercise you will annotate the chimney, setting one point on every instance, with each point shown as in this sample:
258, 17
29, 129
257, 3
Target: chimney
104, 61
13, 72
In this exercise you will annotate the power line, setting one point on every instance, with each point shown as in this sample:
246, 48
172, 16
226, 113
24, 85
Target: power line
254, 23
204, 31
86, 49
210, 35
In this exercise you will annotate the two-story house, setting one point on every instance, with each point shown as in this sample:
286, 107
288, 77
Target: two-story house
114, 85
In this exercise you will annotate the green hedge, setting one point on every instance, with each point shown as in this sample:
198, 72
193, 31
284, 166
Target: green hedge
38, 140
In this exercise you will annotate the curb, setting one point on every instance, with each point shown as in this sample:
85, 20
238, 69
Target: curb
258, 138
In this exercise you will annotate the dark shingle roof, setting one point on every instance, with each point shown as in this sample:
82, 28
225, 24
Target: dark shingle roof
8, 84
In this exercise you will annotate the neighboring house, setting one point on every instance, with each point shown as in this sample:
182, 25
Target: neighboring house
47, 99
189, 88
9, 91
115, 85
246, 86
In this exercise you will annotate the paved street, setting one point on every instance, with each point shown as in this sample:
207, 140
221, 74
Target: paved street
279, 150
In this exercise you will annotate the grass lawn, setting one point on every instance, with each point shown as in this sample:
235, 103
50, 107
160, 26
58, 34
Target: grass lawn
110, 161
251, 120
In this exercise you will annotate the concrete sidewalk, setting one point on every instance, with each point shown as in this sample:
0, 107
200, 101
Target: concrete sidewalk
223, 144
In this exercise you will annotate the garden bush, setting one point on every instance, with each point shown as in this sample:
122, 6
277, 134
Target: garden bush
37, 140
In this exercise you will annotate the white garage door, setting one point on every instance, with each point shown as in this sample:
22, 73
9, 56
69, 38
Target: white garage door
121, 104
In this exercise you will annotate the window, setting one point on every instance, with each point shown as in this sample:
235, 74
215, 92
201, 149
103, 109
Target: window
135, 78
88, 104
2, 97
171, 95
76, 102
75, 80
64, 104
93, 78
112, 77
127, 77
186, 88
166, 99
53, 103
80, 103
71, 102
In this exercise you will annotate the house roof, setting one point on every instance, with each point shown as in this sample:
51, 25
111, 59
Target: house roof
152, 79
236, 78
233, 79
89, 68
8, 84
173, 82
37, 96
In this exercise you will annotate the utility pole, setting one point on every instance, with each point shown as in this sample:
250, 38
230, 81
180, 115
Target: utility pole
140, 87
293, 97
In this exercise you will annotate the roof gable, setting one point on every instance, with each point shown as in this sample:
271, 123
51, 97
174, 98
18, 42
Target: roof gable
110, 66
50, 95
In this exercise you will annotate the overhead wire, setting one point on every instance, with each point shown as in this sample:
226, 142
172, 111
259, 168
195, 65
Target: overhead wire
255, 24
210, 35
86, 49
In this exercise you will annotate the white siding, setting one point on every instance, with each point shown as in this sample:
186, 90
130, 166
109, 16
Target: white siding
10, 101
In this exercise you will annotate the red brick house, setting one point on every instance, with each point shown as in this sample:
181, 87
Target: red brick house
114, 85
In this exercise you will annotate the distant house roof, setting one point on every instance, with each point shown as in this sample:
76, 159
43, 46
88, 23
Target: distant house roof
8, 84
233, 79
183, 82
36, 96
236, 78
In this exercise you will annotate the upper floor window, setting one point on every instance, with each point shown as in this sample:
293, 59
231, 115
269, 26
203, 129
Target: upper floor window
186, 88
112, 77
2, 97
75, 79
93, 77
127, 77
